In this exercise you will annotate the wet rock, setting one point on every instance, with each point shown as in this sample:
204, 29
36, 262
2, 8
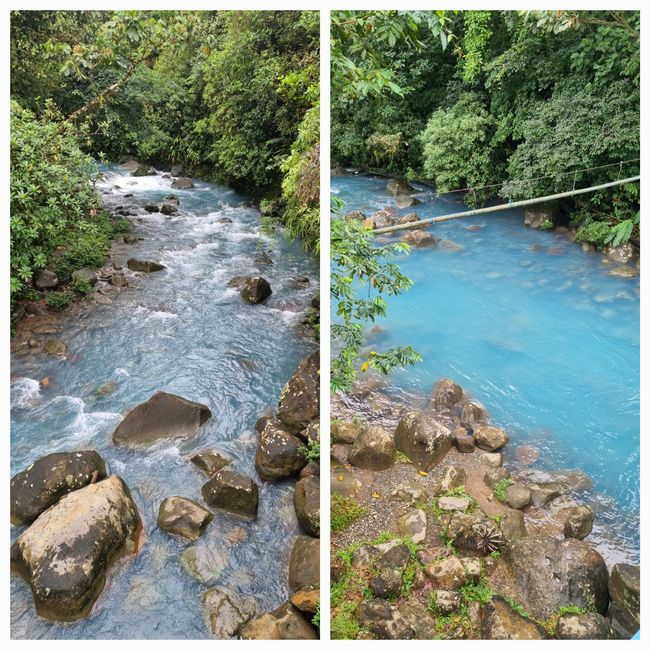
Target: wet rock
206, 560
589, 625
490, 438
143, 170
129, 238
144, 266
387, 584
263, 258
225, 612
224, 220
355, 215
183, 517
232, 492
622, 253
409, 218
397, 186
447, 573
237, 281
306, 501
346, 431
255, 290
579, 523
310, 469
45, 279
66, 552
306, 600
286, 622
625, 592
405, 201
119, 280
623, 272
304, 563
209, 462
373, 449
463, 441
380, 219
418, 239
151, 207
412, 524
445, 395
526, 455
501, 622
300, 398
162, 416
85, 276
49, 478
45, 329
543, 493
552, 574
518, 496
55, 347
182, 183
453, 477
278, 454
176, 171
384, 620
173, 199
424, 440
169, 208
473, 413
540, 216
449, 245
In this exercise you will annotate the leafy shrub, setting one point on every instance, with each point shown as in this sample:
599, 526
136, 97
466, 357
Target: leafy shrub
595, 232
344, 511
59, 300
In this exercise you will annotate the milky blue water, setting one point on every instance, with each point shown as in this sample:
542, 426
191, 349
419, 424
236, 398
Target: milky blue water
183, 331
536, 330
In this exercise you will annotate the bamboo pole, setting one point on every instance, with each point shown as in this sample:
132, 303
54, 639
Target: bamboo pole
506, 206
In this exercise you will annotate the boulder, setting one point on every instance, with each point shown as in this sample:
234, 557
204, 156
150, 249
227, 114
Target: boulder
490, 438
143, 170
622, 253
468, 532
306, 501
447, 601
119, 280
447, 573
543, 493
162, 416
517, 496
495, 475
424, 440
412, 493
304, 563
412, 524
393, 555
501, 622
144, 266
453, 504
494, 459
380, 219
403, 201
225, 612
579, 523
625, 593
278, 454
463, 441
383, 620
232, 492
418, 238
306, 600
255, 290
49, 478
207, 561
355, 215
173, 199
346, 432
300, 397
209, 462
55, 347
587, 626
452, 477
286, 622
397, 186
541, 215
373, 449
177, 170
473, 413
169, 208
182, 183
419, 617
513, 526
66, 553
183, 517
387, 583
552, 574
445, 395
130, 238
151, 207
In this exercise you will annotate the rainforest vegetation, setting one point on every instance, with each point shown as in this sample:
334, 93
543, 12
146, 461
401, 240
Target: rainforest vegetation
231, 96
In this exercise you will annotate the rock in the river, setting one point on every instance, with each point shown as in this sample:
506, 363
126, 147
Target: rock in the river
300, 398
119, 280
225, 612
278, 454
543, 493
490, 438
404, 201
183, 517
255, 290
473, 413
552, 574
501, 622
144, 266
232, 492
45, 279
162, 416
177, 170
151, 207
622, 253
424, 440
286, 622
263, 258
209, 461
55, 347
373, 449
397, 186
625, 593
418, 238
579, 523
304, 563
66, 552
587, 626
182, 183
446, 394
306, 501
380, 219
49, 478
169, 208
144, 170
541, 216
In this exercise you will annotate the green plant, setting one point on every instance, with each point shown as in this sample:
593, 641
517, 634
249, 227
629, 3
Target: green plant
316, 617
501, 488
59, 300
480, 592
517, 607
310, 451
344, 511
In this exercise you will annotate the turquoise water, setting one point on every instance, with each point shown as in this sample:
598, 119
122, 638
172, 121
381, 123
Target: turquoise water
536, 330
183, 331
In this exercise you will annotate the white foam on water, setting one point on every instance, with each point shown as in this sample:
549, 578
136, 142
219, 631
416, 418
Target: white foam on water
25, 392
121, 372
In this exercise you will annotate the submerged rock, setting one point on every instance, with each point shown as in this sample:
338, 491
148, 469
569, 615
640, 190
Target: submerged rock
169, 208
232, 492
162, 416
48, 479
286, 622
143, 266
183, 517
55, 347
404, 201
144, 170
225, 612
424, 440
278, 454
66, 552
255, 290
300, 398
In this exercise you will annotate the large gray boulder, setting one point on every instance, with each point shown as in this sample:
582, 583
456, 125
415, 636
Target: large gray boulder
278, 454
397, 186
162, 416
585, 626
300, 398
424, 440
489, 438
232, 492
182, 183
446, 394
51, 477
66, 553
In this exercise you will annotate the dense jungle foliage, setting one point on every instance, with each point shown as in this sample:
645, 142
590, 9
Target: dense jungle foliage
232, 96
474, 98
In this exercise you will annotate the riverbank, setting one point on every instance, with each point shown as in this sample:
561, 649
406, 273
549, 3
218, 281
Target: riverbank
435, 536
167, 335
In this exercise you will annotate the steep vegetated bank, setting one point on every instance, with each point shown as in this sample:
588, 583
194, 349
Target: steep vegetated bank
231, 97
498, 98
